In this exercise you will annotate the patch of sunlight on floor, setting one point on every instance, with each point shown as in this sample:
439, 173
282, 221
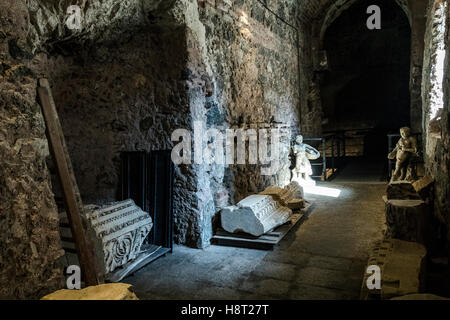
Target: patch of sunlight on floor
322, 191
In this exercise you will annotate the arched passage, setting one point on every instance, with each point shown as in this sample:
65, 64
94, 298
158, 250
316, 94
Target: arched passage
366, 87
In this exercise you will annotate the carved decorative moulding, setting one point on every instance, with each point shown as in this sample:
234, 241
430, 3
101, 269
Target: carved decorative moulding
116, 231
255, 215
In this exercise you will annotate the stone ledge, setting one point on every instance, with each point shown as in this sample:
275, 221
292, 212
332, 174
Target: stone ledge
113, 291
402, 267
407, 220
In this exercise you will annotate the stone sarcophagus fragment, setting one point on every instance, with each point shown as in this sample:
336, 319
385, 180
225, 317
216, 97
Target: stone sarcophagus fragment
290, 196
116, 231
255, 215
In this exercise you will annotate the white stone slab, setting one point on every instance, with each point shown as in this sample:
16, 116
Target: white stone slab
255, 215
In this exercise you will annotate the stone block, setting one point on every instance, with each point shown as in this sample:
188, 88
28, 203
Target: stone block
112, 291
116, 231
402, 265
423, 187
407, 220
404, 270
291, 196
255, 215
401, 190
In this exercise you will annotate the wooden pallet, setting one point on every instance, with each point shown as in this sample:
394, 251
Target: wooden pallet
265, 242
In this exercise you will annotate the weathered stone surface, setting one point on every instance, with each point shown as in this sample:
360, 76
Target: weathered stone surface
30, 247
423, 187
404, 270
290, 196
295, 189
407, 220
117, 232
401, 190
113, 291
436, 95
402, 266
256, 215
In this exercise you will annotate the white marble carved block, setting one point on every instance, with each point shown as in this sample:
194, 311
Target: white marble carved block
255, 215
116, 231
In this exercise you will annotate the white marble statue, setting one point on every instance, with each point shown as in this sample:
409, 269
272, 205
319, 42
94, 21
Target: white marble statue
303, 170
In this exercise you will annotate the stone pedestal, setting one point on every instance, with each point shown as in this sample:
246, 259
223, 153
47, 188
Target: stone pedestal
116, 231
255, 215
407, 220
401, 190
423, 187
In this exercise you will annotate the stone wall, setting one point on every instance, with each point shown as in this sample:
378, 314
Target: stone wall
253, 56
436, 131
30, 244
443, 183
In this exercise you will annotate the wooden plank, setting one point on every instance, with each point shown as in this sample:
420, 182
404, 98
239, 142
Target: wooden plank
72, 198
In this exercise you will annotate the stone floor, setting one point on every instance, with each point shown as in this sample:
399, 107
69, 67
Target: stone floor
323, 258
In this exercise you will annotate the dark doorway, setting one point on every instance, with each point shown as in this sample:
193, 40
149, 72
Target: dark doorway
365, 93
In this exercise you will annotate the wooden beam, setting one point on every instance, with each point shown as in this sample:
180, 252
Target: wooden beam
72, 198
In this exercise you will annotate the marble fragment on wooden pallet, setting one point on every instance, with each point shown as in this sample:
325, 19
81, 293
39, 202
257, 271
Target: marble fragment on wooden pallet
255, 215
117, 232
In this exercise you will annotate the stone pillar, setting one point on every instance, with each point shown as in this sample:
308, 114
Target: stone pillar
407, 220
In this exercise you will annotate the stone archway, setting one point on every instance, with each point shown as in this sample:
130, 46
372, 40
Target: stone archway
336, 9
413, 11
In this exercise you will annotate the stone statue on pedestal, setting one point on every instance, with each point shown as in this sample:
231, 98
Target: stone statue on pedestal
404, 152
303, 170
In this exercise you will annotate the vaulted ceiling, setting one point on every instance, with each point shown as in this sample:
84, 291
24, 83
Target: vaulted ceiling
326, 11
